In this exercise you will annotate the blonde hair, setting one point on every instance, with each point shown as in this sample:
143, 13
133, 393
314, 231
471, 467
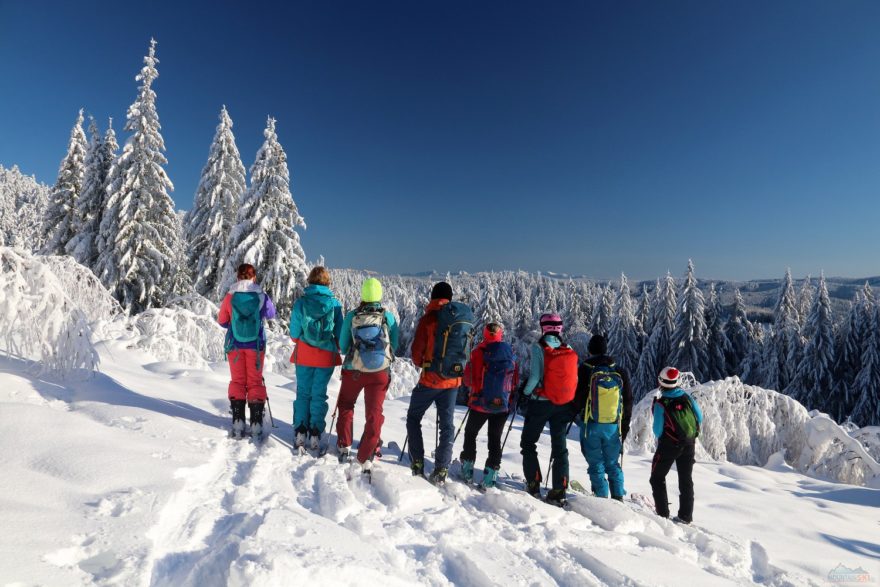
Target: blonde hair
319, 276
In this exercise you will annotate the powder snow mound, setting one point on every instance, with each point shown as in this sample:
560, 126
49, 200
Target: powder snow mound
747, 425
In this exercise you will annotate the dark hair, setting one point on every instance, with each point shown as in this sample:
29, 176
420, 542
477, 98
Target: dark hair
319, 276
246, 271
493, 327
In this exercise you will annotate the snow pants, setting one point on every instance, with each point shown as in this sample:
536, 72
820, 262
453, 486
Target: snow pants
310, 405
539, 413
475, 423
246, 377
601, 446
421, 399
683, 457
374, 386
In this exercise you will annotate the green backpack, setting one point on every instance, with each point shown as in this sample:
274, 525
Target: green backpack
680, 420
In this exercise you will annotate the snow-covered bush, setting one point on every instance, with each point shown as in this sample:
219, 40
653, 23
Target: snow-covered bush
746, 425
83, 288
178, 334
39, 320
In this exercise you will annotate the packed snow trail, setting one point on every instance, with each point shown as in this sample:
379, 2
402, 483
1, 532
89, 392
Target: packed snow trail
141, 486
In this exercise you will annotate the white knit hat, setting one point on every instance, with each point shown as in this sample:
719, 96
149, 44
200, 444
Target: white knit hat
669, 377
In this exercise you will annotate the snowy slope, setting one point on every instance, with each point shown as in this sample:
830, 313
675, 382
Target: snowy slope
129, 479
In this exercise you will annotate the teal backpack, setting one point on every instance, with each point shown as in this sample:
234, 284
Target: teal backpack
317, 329
246, 319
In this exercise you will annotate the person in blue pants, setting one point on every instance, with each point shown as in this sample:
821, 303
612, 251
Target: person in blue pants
604, 402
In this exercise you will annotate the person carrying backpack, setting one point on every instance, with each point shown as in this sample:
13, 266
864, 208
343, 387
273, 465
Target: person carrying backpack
677, 421
440, 348
369, 336
242, 312
315, 327
491, 375
550, 391
604, 403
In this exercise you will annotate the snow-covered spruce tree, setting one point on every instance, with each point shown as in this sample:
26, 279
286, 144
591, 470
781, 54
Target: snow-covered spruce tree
805, 302
655, 355
813, 384
182, 276
753, 366
139, 228
718, 348
604, 311
737, 330
643, 316
100, 157
847, 361
689, 337
209, 224
58, 224
264, 234
785, 339
22, 208
623, 340
867, 383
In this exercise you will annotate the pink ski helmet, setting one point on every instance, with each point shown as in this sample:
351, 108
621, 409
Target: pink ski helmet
551, 324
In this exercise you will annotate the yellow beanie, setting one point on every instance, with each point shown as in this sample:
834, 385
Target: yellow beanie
371, 291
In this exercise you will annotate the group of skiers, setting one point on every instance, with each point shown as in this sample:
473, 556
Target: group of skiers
561, 389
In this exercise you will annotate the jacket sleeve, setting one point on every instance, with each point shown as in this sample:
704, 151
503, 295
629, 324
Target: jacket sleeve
697, 409
420, 342
268, 310
224, 317
476, 366
393, 331
536, 371
658, 419
337, 322
295, 324
627, 403
583, 388
345, 334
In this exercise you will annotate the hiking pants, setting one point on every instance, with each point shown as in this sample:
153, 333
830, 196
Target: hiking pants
310, 405
421, 399
475, 421
539, 413
246, 381
683, 457
601, 445
374, 386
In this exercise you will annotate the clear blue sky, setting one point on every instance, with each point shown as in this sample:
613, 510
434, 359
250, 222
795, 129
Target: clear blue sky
559, 136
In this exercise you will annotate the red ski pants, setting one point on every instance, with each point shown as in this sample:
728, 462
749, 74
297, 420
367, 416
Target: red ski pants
374, 386
247, 380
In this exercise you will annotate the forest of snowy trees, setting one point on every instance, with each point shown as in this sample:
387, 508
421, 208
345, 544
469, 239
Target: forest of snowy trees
112, 212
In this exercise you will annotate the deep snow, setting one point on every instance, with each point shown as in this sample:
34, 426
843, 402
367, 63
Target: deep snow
127, 478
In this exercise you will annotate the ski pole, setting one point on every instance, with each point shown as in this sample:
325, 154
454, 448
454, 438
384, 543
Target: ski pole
513, 408
403, 449
269, 407
460, 426
436, 434
550, 464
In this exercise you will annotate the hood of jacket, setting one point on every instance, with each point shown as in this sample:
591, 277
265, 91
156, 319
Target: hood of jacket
435, 305
677, 392
318, 300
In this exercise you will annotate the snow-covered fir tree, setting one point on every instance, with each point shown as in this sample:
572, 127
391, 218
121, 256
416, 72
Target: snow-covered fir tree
644, 315
60, 219
867, 383
785, 342
139, 230
209, 224
805, 301
623, 340
813, 384
718, 347
753, 366
656, 353
689, 337
737, 330
23, 202
265, 234
847, 360
604, 312
92, 202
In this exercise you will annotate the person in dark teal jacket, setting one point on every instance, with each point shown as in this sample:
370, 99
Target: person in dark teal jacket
676, 444
315, 327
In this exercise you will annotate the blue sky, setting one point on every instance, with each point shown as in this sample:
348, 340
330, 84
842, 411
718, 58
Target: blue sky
576, 137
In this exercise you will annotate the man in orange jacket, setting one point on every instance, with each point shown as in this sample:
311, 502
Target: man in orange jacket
431, 389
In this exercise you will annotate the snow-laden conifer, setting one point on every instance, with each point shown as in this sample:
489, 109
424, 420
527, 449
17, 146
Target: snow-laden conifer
813, 384
656, 353
623, 341
718, 347
60, 219
604, 312
867, 383
209, 224
139, 229
785, 340
689, 337
737, 330
265, 234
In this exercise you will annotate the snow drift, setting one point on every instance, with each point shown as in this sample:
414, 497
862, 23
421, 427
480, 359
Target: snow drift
748, 425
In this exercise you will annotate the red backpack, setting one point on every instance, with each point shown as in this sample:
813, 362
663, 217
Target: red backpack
560, 375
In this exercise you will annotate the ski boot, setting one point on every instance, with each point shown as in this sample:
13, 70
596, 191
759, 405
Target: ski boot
314, 439
237, 418
556, 497
438, 476
490, 476
467, 471
418, 469
367, 470
344, 454
299, 441
679, 520
533, 488
617, 498
256, 409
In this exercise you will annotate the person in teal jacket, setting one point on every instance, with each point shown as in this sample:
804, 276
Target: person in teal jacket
315, 327
370, 335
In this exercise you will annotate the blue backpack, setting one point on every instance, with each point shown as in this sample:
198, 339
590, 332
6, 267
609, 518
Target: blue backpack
371, 348
452, 342
499, 364
246, 319
317, 329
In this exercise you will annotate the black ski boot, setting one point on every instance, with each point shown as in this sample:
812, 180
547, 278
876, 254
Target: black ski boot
256, 419
533, 488
237, 418
556, 497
